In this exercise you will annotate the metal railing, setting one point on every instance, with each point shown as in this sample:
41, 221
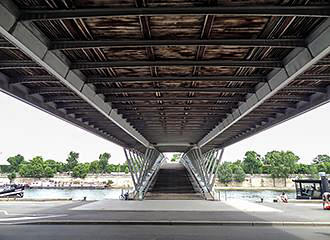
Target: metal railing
143, 168
203, 167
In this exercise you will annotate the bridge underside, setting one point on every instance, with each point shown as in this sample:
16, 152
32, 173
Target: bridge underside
167, 76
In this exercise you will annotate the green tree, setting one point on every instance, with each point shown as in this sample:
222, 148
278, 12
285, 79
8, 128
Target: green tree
252, 162
49, 172
323, 167
80, 171
321, 158
313, 171
15, 162
104, 161
36, 166
11, 177
24, 170
72, 160
110, 168
238, 174
54, 166
225, 173
175, 157
281, 163
94, 167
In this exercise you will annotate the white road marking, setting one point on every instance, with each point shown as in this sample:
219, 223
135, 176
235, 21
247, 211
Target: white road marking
247, 206
30, 218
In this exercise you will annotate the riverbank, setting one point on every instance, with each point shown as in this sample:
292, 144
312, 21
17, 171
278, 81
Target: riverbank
124, 181
254, 189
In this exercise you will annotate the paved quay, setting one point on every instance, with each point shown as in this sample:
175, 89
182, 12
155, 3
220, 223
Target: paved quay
163, 211
162, 219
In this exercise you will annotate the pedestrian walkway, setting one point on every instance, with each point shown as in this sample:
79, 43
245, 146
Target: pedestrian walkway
173, 182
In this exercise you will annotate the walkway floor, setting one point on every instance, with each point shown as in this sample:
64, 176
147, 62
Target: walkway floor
173, 205
112, 219
163, 210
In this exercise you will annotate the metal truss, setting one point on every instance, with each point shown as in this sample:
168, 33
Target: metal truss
295, 64
203, 167
87, 44
143, 168
238, 11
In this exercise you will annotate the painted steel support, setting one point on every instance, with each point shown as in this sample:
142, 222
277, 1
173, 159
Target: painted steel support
87, 44
83, 65
238, 11
203, 167
296, 63
143, 168
35, 45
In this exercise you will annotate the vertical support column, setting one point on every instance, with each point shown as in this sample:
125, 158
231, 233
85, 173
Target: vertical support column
203, 167
143, 168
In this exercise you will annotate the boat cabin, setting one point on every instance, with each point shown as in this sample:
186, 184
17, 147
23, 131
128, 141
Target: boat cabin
308, 189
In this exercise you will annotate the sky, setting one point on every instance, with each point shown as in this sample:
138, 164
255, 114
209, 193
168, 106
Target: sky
31, 132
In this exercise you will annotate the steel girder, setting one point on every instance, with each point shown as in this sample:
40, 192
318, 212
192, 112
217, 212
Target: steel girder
143, 167
87, 44
295, 64
203, 167
35, 45
238, 11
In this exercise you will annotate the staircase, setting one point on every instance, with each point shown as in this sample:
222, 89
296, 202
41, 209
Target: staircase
172, 182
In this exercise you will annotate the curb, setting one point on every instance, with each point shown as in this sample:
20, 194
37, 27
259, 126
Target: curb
218, 223
34, 199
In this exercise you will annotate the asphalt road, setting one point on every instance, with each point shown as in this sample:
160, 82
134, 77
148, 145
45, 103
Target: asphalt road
100, 232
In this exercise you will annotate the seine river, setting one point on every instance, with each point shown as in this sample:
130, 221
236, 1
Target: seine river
79, 194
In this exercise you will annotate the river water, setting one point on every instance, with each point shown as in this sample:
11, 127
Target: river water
97, 194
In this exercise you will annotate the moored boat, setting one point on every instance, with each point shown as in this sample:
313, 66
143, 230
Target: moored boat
12, 191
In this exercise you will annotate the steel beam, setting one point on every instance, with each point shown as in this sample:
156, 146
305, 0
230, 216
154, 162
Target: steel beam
34, 79
241, 90
292, 11
63, 98
199, 98
166, 105
295, 64
35, 46
183, 63
87, 44
315, 100
4, 44
16, 64
20, 92
136, 99
211, 78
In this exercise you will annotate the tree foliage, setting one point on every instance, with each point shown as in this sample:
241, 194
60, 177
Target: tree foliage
80, 170
321, 158
11, 176
225, 173
175, 157
281, 163
104, 161
14, 162
72, 160
252, 162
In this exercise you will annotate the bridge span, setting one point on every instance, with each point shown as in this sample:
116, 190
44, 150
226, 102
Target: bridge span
167, 76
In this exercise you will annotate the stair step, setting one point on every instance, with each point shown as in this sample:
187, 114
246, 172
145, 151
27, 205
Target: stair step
172, 182
173, 196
